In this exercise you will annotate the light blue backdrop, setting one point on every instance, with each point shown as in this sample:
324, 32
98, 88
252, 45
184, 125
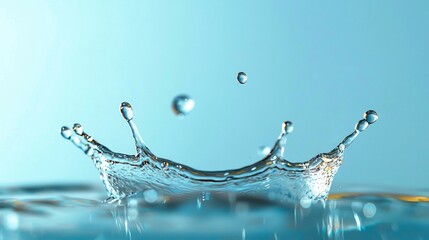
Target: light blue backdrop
320, 64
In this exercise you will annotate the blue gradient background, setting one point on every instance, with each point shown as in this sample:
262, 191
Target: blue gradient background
320, 64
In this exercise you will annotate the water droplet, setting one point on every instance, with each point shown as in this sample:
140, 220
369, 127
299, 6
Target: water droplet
77, 128
66, 132
287, 127
126, 110
371, 116
242, 77
182, 105
362, 125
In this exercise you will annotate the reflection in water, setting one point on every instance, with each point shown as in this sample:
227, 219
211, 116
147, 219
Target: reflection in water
38, 213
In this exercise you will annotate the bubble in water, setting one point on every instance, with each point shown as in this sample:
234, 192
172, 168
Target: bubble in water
371, 116
242, 77
182, 105
66, 132
362, 125
287, 127
369, 210
126, 110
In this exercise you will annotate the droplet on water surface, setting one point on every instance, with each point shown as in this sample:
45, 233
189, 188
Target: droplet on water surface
242, 77
182, 105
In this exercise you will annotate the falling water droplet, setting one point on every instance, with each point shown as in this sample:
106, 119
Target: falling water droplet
287, 127
66, 132
362, 125
242, 77
371, 116
126, 110
182, 105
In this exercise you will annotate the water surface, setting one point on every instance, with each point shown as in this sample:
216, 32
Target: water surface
78, 212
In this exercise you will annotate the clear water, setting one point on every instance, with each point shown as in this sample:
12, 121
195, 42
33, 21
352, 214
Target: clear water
78, 212
272, 178
154, 198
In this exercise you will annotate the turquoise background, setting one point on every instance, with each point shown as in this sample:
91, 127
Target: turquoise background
320, 64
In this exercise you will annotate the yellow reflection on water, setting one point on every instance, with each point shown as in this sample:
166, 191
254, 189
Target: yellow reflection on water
401, 197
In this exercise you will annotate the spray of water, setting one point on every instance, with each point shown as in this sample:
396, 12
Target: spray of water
273, 177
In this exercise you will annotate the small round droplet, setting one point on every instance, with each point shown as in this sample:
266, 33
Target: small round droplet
77, 128
287, 127
362, 125
242, 77
371, 116
182, 105
66, 132
127, 111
